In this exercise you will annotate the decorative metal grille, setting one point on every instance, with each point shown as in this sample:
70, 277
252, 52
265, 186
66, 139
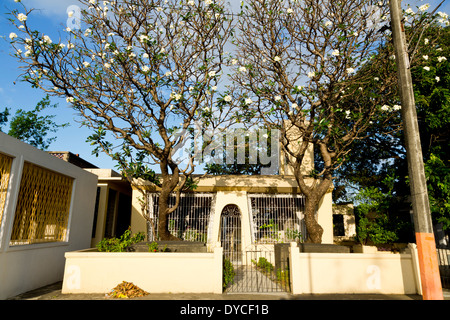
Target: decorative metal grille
5, 169
189, 221
230, 233
42, 211
277, 218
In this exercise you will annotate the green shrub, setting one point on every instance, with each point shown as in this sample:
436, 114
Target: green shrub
120, 244
264, 265
283, 275
375, 231
228, 273
374, 225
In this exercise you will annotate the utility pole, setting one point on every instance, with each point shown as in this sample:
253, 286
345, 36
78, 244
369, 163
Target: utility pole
426, 246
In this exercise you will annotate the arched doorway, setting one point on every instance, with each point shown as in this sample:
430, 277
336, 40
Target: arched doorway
231, 233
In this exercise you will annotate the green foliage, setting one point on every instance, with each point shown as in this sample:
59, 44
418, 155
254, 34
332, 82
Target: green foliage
294, 235
373, 223
375, 230
438, 178
31, 126
432, 95
228, 273
264, 265
271, 230
283, 275
120, 244
153, 247
4, 117
190, 184
271, 226
382, 155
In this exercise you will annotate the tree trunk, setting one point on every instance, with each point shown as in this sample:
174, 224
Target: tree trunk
313, 195
169, 183
313, 228
163, 221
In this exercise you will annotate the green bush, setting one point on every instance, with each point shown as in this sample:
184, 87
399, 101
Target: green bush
374, 225
375, 230
283, 275
120, 244
264, 265
228, 273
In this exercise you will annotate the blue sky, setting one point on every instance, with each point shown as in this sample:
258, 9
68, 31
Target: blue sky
51, 20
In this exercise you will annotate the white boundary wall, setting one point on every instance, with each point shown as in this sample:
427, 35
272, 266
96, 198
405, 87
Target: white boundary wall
375, 273
89, 271
27, 267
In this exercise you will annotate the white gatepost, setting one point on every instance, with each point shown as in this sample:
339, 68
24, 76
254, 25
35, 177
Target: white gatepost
294, 267
415, 262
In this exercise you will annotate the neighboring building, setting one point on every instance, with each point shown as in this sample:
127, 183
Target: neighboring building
112, 215
113, 198
73, 159
344, 225
46, 210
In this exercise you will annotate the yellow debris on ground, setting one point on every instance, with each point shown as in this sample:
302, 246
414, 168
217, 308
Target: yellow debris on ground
127, 290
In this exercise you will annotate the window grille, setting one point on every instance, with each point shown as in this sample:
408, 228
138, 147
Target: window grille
43, 206
277, 218
189, 221
5, 169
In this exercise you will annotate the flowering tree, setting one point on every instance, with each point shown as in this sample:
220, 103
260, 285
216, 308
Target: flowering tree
431, 76
304, 66
384, 155
140, 73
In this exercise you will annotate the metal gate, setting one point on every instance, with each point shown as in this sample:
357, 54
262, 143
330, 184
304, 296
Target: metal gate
259, 272
230, 235
251, 269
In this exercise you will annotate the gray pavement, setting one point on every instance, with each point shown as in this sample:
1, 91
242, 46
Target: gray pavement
53, 292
